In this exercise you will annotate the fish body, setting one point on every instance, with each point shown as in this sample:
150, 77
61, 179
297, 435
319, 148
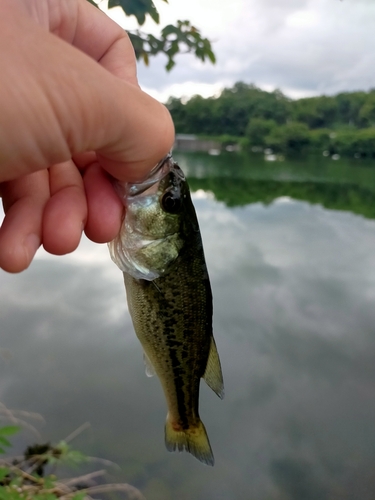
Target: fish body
169, 295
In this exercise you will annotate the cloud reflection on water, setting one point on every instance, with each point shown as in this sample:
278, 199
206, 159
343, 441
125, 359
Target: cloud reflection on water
294, 289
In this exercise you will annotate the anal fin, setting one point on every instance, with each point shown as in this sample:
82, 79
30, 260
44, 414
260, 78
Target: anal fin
213, 375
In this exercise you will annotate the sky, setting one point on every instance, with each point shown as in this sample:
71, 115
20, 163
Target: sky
303, 47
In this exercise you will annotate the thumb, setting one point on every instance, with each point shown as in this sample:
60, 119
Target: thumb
70, 104
141, 133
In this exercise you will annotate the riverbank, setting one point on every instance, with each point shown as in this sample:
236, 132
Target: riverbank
288, 140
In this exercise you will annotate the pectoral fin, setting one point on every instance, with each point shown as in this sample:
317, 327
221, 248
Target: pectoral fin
150, 370
213, 376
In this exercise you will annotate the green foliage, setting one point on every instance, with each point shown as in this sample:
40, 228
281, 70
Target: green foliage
257, 131
355, 142
174, 39
137, 8
343, 124
320, 140
335, 196
349, 105
25, 478
230, 112
63, 453
291, 138
367, 111
236, 106
316, 112
227, 140
5, 432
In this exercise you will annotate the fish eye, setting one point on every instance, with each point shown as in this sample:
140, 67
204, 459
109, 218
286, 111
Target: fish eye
171, 202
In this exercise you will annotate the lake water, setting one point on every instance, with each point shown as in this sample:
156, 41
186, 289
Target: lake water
290, 248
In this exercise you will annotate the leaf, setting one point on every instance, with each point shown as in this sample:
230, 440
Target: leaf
67, 455
49, 482
168, 30
211, 56
170, 65
9, 430
154, 14
173, 40
145, 58
188, 37
137, 8
4, 472
79, 496
4, 441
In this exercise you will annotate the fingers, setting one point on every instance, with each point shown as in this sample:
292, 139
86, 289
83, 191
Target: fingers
70, 101
46, 207
104, 206
70, 105
21, 231
65, 212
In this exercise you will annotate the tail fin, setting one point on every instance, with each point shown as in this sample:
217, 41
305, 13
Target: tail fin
194, 440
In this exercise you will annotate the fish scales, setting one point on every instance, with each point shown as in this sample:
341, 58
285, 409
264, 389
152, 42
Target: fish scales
174, 332
170, 301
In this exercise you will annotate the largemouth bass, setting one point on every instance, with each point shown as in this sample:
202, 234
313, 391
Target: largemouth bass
159, 249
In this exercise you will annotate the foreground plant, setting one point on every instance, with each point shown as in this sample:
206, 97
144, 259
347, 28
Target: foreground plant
25, 477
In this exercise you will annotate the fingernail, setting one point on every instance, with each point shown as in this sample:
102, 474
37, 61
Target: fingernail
32, 243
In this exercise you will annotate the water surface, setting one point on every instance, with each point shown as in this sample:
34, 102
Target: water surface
291, 254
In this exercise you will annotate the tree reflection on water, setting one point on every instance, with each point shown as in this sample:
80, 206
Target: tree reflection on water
294, 292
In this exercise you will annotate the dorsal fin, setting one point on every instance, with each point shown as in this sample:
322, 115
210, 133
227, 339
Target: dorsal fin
213, 376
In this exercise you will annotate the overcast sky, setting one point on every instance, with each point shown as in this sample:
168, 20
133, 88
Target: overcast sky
303, 47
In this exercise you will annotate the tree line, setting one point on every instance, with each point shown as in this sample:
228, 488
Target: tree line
341, 124
335, 196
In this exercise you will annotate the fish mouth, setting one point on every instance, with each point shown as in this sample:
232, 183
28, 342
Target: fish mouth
158, 173
149, 186
160, 165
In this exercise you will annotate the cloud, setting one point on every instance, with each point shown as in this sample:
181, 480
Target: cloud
293, 308
303, 47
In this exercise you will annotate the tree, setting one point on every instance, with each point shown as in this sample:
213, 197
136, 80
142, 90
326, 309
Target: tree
257, 130
242, 102
321, 140
349, 105
229, 114
197, 116
356, 142
292, 138
173, 39
367, 112
316, 112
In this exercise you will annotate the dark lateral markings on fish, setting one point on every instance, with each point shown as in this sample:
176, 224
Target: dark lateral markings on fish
159, 249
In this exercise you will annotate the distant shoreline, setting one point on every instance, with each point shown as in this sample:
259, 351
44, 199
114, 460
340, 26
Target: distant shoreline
247, 118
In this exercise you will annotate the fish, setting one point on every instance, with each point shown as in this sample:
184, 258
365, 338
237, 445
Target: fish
159, 249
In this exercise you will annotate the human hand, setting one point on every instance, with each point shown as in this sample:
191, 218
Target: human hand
71, 112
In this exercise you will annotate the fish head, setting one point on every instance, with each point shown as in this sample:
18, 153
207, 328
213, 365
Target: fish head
156, 222
156, 211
